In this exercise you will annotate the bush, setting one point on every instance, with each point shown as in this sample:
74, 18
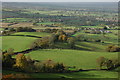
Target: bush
113, 48
101, 62
49, 66
98, 40
25, 29
40, 43
110, 64
71, 42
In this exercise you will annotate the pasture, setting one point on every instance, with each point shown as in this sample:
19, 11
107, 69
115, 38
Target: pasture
18, 43
10, 20
92, 26
46, 23
23, 24
91, 46
108, 38
80, 59
39, 34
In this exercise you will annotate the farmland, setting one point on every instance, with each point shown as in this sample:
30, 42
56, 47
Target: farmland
71, 57
12, 41
57, 40
40, 34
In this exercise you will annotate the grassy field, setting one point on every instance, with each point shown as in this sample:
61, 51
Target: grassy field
80, 59
108, 38
91, 46
18, 43
85, 74
39, 34
46, 23
23, 24
10, 20
92, 26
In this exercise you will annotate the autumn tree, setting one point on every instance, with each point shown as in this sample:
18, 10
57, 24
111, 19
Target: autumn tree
7, 60
62, 37
21, 62
60, 32
71, 42
110, 64
113, 48
53, 38
40, 43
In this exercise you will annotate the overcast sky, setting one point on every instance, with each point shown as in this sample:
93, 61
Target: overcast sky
59, 0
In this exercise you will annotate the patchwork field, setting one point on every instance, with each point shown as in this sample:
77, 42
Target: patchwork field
81, 33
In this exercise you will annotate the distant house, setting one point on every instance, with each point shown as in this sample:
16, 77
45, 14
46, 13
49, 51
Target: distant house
1, 32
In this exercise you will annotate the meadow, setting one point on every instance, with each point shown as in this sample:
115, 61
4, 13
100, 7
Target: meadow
108, 38
39, 34
92, 26
10, 20
80, 59
18, 43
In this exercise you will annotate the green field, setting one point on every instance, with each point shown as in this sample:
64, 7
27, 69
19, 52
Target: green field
108, 38
46, 23
75, 34
1, 29
10, 20
92, 26
18, 43
85, 60
80, 59
91, 46
39, 34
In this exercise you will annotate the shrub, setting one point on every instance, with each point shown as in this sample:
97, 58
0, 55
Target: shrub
49, 66
101, 61
40, 43
113, 48
59, 67
110, 64
98, 40
25, 29
71, 42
